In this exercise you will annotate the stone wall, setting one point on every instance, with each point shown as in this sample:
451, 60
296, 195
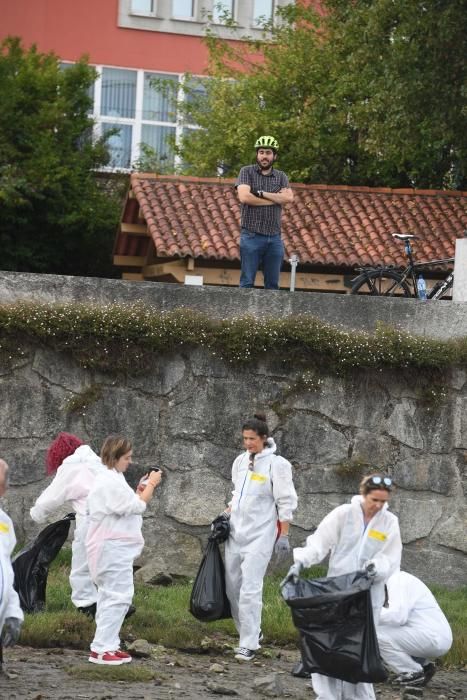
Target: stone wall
186, 414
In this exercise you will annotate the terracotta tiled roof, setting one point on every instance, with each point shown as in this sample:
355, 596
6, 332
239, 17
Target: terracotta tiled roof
327, 226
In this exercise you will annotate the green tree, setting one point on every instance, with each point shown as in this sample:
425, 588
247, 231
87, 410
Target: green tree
371, 93
55, 215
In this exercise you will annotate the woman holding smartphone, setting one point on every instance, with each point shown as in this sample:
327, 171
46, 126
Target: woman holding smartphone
114, 540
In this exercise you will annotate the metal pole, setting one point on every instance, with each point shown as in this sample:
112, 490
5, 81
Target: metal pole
293, 265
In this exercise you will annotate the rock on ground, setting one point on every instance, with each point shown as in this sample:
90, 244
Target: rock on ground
42, 674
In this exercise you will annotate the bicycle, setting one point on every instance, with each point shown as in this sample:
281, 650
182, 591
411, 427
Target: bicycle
387, 282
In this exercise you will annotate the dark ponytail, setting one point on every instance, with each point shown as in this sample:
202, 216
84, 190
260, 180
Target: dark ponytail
257, 424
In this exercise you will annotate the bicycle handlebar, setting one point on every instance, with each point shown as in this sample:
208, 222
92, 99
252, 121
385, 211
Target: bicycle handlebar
404, 236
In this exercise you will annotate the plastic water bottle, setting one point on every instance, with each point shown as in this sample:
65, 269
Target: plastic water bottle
421, 287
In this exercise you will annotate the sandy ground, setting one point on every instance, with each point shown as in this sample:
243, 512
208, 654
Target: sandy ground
43, 674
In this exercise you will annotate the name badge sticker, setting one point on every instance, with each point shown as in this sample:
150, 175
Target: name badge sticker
258, 477
376, 535
4, 527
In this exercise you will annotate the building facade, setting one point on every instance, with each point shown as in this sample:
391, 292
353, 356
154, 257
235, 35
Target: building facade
142, 51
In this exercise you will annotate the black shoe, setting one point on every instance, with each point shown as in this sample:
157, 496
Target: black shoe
299, 671
429, 670
89, 610
131, 611
415, 678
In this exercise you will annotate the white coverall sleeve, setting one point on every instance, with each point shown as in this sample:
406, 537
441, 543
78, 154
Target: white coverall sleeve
283, 489
121, 500
320, 543
388, 559
54, 496
7, 544
400, 602
234, 477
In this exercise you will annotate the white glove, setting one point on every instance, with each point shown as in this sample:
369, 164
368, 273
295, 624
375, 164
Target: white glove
292, 574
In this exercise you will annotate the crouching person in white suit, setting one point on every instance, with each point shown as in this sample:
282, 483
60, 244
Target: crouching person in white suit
11, 615
75, 466
412, 630
359, 535
113, 542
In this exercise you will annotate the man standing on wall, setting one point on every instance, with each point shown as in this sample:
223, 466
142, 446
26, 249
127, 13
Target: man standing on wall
262, 190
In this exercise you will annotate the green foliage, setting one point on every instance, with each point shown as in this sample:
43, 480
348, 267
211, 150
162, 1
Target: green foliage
372, 93
354, 469
79, 402
127, 673
126, 338
56, 217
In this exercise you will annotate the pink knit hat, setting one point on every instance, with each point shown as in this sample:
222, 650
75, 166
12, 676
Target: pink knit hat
63, 446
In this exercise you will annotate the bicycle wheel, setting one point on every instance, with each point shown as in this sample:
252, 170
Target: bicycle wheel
384, 283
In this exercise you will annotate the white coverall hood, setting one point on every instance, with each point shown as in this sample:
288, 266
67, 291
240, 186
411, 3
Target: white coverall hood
71, 484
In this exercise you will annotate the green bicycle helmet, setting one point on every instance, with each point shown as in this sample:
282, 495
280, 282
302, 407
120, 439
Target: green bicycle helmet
267, 142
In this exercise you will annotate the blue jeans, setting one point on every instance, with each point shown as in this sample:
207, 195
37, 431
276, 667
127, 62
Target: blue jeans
260, 252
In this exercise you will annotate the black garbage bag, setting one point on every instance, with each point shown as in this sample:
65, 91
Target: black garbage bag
31, 564
337, 634
208, 599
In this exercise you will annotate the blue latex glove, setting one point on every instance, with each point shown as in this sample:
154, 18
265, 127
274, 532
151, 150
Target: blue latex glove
11, 630
282, 548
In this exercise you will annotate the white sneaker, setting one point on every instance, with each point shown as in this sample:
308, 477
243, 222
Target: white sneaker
244, 654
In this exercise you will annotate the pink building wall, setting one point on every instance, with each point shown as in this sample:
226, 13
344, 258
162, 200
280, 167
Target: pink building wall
72, 29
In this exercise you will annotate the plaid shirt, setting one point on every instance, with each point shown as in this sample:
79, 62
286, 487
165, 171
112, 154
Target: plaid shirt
264, 220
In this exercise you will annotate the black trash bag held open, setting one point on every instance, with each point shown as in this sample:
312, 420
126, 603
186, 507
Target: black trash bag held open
337, 634
208, 601
31, 564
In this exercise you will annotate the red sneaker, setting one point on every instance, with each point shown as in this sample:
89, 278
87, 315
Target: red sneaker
107, 658
126, 658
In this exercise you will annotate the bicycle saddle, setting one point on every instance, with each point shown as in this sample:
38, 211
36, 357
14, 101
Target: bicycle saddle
403, 236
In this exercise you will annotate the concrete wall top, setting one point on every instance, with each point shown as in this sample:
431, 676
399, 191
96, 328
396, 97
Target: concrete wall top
436, 319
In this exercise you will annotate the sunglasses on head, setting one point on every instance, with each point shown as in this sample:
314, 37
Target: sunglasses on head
381, 481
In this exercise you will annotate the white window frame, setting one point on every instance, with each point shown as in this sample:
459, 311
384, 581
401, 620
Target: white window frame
137, 122
185, 18
233, 11
256, 25
140, 13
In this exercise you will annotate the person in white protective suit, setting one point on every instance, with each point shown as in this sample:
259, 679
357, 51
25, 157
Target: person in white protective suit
75, 466
261, 509
113, 541
11, 615
412, 629
359, 535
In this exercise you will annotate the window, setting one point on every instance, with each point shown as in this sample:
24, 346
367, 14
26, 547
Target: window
141, 108
119, 144
142, 7
183, 9
221, 9
158, 138
160, 97
118, 93
262, 11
